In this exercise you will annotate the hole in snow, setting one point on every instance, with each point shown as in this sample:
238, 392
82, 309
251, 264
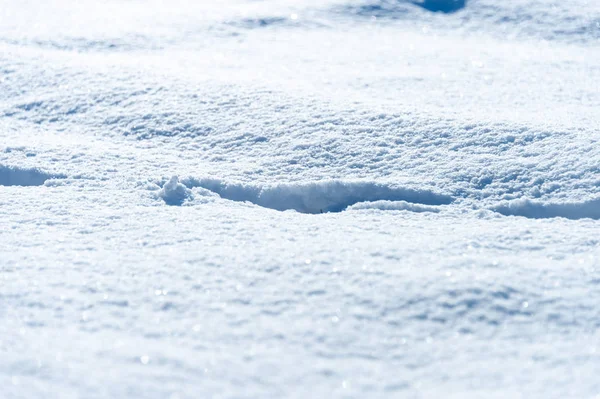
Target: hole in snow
445, 6
318, 197
13, 176
400, 9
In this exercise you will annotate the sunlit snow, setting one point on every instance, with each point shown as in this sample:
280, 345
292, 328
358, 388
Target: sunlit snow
299, 199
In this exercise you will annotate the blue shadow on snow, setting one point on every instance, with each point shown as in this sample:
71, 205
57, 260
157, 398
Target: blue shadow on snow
445, 6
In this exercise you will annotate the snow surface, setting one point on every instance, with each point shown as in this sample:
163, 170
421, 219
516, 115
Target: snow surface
299, 198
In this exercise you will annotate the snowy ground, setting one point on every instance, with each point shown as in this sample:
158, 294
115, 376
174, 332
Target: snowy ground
299, 198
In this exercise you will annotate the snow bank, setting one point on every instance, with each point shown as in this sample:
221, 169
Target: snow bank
12, 176
317, 197
174, 193
393, 206
540, 210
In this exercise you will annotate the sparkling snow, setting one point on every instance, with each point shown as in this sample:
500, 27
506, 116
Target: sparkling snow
299, 198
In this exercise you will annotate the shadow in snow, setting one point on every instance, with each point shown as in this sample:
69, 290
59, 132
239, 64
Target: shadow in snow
400, 9
538, 210
317, 197
12, 176
445, 6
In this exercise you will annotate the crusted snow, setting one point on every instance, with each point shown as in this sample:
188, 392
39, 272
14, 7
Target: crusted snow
300, 198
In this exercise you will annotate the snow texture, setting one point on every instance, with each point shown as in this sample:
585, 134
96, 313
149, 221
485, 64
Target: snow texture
299, 198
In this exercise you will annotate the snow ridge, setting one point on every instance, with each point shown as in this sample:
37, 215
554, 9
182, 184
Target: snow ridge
384, 205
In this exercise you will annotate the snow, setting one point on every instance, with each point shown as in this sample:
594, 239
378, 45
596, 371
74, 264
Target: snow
300, 198
533, 209
175, 193
385, 205
14, 176
316, 197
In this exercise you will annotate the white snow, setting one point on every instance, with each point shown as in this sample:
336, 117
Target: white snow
299, 198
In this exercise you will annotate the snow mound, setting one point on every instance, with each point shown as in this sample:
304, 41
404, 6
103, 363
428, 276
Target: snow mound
174, 193
393, 206
13, 176
317, 197
539, 210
